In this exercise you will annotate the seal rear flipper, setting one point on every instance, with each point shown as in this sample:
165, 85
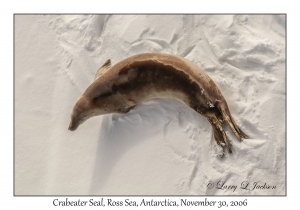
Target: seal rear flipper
219, 133
104, 68
223, 108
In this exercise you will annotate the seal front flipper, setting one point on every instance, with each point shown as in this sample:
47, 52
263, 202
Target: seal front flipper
103, 69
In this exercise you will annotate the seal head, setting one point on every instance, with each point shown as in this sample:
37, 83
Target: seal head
82, 111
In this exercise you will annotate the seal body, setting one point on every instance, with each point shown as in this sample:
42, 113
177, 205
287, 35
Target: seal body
147, 76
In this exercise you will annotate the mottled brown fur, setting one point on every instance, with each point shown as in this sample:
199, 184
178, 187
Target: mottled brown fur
153, 75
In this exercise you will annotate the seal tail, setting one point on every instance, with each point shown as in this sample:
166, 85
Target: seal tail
223, 108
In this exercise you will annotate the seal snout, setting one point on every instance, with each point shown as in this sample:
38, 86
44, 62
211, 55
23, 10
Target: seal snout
72, 127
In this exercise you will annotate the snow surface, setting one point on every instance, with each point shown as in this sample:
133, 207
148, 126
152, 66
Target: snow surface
161, 147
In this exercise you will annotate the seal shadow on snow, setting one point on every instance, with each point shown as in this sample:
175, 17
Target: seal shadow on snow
134, 126
118, 138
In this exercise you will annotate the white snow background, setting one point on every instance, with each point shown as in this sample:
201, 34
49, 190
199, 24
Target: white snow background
161, 147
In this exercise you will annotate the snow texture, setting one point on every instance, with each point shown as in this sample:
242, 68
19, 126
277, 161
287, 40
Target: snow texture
161, 147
